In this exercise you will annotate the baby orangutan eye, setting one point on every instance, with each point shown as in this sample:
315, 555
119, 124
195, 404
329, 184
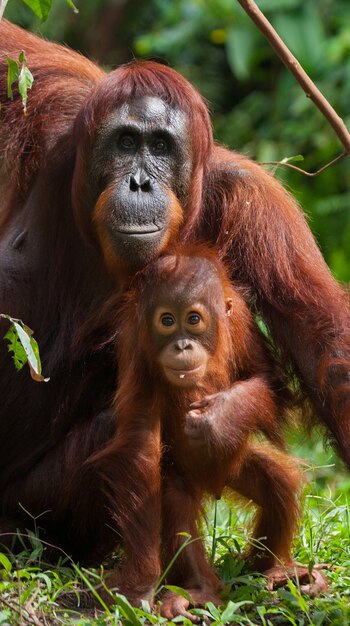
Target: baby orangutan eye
194, 319
167, 320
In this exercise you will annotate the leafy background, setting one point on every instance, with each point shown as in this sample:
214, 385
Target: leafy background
257, 106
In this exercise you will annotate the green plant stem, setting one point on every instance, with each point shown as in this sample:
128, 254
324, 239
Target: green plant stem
213, 543
186, 543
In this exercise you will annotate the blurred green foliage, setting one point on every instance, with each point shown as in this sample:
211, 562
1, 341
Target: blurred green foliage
257, 106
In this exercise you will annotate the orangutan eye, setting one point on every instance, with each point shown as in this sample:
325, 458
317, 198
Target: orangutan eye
167, 320
160, 147
127, 142
194, 319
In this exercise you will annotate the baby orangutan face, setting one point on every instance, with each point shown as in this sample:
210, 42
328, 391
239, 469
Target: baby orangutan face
185, 323
184, 335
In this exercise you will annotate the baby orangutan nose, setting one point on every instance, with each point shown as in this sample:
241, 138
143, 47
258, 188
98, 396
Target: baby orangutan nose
183, 344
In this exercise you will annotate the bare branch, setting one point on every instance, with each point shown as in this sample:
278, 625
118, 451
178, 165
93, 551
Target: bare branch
3, 4
299, 169
295, 68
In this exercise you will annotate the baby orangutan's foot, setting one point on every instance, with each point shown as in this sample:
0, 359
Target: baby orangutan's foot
312, 583
173, 604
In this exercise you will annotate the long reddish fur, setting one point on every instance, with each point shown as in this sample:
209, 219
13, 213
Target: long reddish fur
183, 474
62, 289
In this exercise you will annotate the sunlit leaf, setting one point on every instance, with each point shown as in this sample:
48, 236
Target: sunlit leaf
14, 345
31, 349
5, 563
293, 159
24, 348
18, 71
41, 8
25, 80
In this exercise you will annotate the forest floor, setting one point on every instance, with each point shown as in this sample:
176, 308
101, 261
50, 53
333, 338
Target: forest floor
32, 593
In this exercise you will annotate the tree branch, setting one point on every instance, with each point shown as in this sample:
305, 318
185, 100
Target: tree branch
299, 169
3, 4
299, 74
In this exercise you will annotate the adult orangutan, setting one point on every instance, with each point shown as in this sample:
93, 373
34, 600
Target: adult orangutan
95, 180
196, 379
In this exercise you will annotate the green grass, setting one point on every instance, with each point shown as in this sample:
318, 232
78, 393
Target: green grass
31, 593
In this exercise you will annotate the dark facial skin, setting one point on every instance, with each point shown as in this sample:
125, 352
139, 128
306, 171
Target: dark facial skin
143, 155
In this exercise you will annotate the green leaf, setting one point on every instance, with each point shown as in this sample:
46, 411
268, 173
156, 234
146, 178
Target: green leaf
215, 613
293, 159
18, 353
31, 349
12, 75
5, 563
41, 8
25, 80
72, 6
19, 71
128, 611
231, 608
180, 592
24, 348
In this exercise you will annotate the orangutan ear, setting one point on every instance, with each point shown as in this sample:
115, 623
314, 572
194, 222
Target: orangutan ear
229, 306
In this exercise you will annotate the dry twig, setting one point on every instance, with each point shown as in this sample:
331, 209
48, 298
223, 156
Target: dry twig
299, 169
20, 613
31, 611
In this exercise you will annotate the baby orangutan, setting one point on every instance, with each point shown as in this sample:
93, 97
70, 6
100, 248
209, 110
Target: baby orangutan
195, 380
